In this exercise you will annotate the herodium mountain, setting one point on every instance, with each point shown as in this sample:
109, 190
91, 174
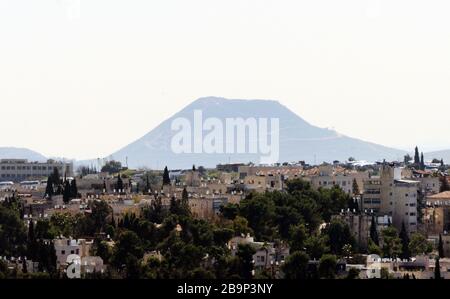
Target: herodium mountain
298, 140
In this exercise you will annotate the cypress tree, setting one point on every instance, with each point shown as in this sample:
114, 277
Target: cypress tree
74, 189
416, 156
49, 189
441, 247
374, 232
422, 162
355, 187
405, 242
185, 195
166, 177
437, 269
119, 183
66, 192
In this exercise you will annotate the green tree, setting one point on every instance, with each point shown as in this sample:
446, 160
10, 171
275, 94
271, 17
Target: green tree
66, 192
373, 231
355, 187
316, 246
416, 156
392, 246
339, 235
73, 189
240, 226
112, 167
296, 266
419, 244
441, 247
405, 243
422, 162
127, 252
166, 177
13, 236
229, 211
245, 255
298, 236
119, 184
327, 266
437, 269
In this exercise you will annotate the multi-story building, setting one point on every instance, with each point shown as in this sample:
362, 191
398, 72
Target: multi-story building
392, 195
328, 177
65, 247
20, 169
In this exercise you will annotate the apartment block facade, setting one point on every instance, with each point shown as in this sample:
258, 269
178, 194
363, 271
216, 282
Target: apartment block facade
17, 170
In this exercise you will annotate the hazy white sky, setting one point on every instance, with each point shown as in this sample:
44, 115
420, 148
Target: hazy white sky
94, 75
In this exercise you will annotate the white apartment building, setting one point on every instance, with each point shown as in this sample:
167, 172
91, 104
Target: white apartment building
20, 169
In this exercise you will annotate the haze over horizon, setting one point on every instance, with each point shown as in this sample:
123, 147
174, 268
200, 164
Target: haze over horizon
90, 77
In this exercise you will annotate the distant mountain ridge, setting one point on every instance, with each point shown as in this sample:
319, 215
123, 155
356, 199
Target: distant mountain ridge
299, 140
21, 153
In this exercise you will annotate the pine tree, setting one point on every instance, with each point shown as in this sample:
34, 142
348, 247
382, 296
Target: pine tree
193, 168
374, 232
166, 177
405, 243
441, 247
437, 269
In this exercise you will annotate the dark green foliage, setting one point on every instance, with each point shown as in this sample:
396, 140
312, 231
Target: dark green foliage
373, 231
405, 243
339, 235
441, 247
245, 255
296, 266
166, 177
112, 167
13, 236
327, 266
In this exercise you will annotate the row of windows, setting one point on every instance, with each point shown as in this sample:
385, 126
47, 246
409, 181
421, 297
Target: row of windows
7, 175
71, 252
343, 183
372, 201
29, 168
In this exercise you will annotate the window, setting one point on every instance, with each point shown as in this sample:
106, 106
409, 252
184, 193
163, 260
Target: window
63, 252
